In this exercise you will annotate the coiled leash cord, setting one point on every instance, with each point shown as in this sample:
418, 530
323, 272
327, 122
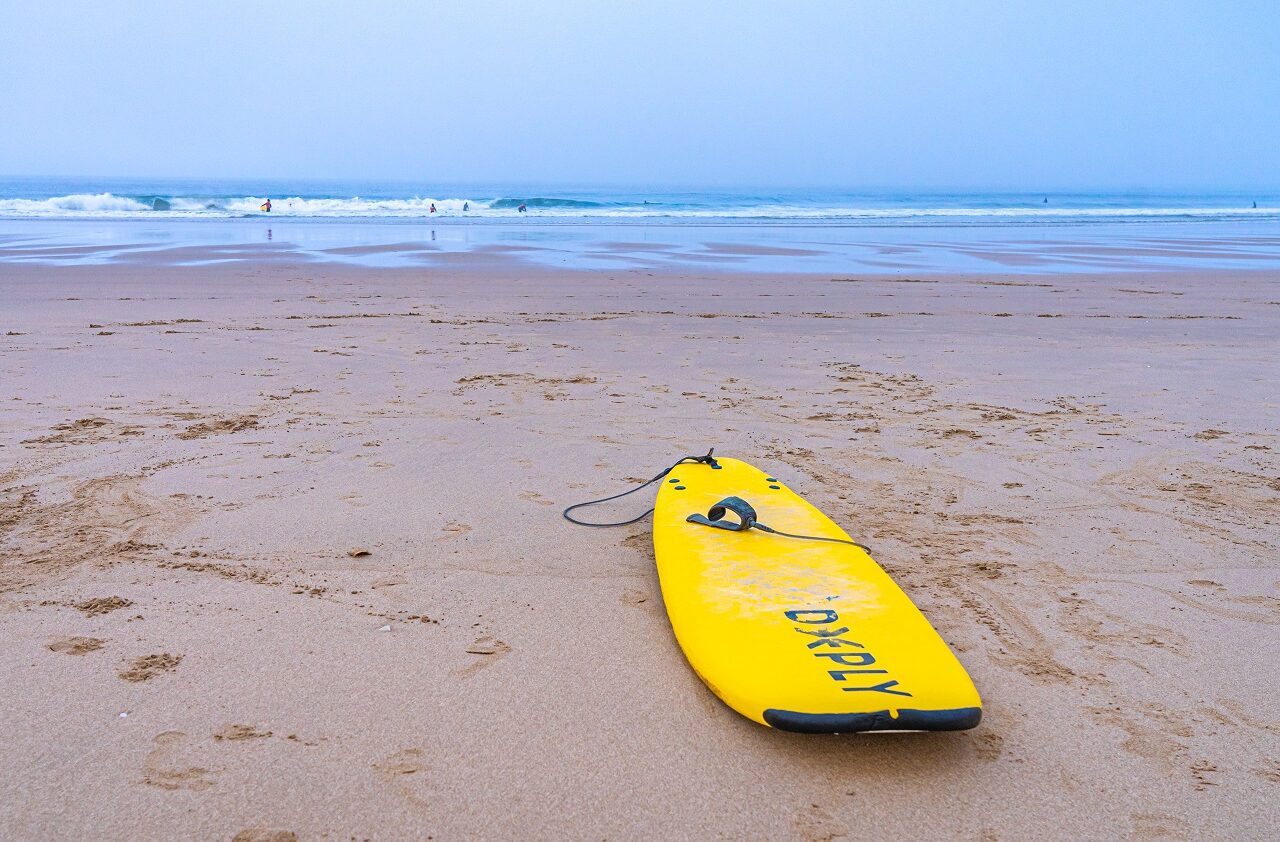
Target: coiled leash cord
715, 517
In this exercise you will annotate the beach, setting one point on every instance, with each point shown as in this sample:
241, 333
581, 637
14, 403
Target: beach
283, 553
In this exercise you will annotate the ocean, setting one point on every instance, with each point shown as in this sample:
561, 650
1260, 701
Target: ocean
88, 220
114, 198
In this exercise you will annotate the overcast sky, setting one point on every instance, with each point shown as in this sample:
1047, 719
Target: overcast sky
1010, 95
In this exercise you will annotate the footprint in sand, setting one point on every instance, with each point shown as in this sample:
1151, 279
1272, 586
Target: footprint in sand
455, 528
354, 500
264, 834
238, 733
634, 597
491, 651
149, 666
641, 542
388, 582
815, 824
102, 605
232, 424
535, 497
168, 765
644, 600
987, 745
1159, 826
405, 772
75, 645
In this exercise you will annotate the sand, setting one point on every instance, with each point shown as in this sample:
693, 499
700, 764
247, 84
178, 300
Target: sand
283, 555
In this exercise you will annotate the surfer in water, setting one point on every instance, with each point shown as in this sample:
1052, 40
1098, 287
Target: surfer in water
265, 207
433, 207
466, 206
522, 208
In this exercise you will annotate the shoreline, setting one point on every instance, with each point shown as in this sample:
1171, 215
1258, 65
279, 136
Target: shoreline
671, 246
1075, 477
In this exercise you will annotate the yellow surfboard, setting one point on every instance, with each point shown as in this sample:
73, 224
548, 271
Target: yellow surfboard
798, 634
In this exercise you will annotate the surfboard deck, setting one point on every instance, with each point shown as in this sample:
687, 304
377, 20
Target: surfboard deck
799, 635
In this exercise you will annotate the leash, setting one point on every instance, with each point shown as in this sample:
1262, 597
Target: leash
706, 460
715, 517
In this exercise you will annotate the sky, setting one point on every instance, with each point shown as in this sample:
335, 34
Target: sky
928, 95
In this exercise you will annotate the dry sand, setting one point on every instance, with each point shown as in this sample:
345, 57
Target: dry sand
282, 551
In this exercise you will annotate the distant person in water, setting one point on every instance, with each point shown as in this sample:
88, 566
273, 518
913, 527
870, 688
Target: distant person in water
466, 206
265, 207
1046, 200
433, 207
522, 208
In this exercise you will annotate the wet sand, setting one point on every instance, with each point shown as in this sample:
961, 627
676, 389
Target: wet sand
888, 247
282, 551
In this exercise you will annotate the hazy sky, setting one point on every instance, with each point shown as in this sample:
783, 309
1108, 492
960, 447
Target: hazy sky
1017, 95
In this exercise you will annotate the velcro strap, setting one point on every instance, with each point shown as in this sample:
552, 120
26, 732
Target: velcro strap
715, 517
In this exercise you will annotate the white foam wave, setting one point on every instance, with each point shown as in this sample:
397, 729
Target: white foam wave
76, 203
297, 206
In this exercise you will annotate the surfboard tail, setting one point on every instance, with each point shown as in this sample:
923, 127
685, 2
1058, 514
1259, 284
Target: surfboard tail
958, 719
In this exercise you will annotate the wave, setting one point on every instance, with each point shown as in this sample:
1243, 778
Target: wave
109, 205
514, 204
89, 203
98, 204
